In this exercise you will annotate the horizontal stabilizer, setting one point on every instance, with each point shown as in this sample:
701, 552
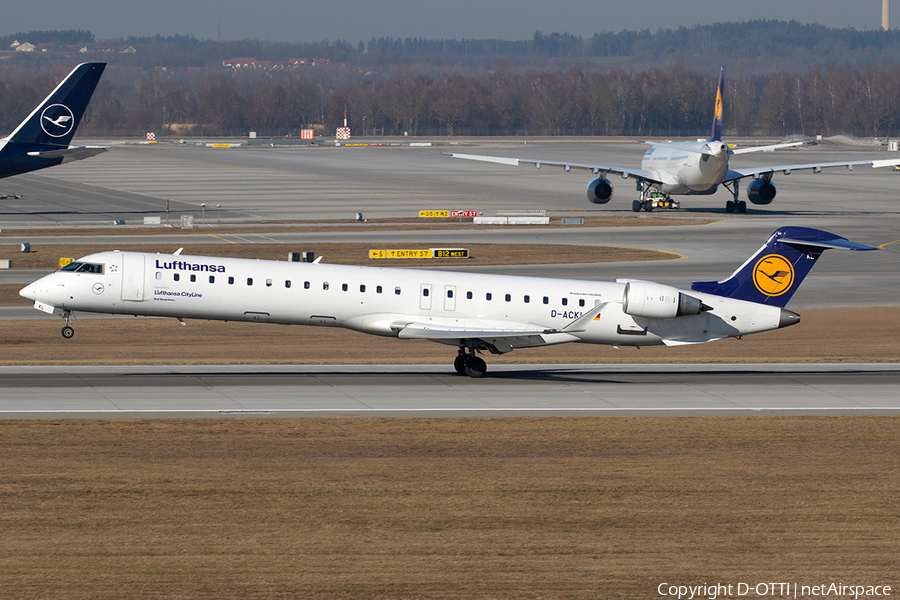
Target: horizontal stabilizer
71, 153
835, 243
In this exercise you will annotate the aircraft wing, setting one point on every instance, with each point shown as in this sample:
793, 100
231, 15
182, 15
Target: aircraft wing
734, 174
768, 148
646, 175
503, 340
71, 153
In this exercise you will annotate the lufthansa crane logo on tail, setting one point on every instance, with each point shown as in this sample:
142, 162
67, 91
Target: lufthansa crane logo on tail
773, 275
57, 120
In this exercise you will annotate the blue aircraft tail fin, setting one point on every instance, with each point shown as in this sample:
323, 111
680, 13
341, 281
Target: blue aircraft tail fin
716, 133
54, 121
773, 274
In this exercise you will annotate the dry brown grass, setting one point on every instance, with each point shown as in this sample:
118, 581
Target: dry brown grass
446, 508
823, 335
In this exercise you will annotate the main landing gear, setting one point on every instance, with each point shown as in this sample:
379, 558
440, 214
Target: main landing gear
67, 331
651, 199
469, 364
735, 205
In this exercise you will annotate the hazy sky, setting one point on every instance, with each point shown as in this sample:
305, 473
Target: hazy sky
354, 20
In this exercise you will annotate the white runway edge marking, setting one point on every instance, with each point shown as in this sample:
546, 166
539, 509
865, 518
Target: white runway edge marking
415, 410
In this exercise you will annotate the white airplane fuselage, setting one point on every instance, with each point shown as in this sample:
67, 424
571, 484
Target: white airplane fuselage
684, 172
389, 301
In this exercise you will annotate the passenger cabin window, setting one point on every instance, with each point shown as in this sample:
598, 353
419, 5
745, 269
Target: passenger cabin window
344, 286
287, 283
508, 297
193, 278
325, 286
249, 281
396, 291
158, 276
176, 276
565, 301
268, 283
212, 278
305, 285
231, 281
377, 289
424, 291
527, 299
449, 293
488, 296
546, 300
362, 288
468, 295
581, 302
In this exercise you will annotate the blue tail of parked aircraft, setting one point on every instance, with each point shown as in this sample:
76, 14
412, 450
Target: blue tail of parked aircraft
716, 133
773, 274
42, 139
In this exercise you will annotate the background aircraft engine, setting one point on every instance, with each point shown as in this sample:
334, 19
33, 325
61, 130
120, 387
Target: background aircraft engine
599, 190
657, 301
761, 191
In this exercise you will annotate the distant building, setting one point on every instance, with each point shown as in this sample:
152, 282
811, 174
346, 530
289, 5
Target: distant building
26, 47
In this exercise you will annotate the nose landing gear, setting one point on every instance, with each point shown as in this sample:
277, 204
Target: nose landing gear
67, 331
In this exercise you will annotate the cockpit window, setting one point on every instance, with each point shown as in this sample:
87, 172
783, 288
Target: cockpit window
80, 267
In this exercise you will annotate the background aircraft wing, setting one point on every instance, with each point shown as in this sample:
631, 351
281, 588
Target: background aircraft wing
768, 148
734, 174
653, 176
71, 153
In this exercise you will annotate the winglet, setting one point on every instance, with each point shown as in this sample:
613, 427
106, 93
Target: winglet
716, 133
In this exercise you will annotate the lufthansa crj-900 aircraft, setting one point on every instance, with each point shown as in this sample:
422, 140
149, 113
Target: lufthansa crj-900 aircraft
474, 312
42, 140
687, 169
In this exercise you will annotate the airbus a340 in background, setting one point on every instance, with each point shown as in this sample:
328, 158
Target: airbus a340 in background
42, 139
474, 312
686, 169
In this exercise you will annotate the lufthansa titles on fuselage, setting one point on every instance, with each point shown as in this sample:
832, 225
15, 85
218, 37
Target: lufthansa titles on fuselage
180, 265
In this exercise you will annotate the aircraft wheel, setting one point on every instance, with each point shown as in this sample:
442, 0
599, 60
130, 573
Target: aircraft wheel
742, 207
67, 332
460, 364
475, 367
729, 206
636, 205
648, 206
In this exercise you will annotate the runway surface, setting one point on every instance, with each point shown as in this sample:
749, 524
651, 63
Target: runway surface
434, 391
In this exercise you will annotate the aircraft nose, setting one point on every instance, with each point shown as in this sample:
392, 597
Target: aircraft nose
29, 291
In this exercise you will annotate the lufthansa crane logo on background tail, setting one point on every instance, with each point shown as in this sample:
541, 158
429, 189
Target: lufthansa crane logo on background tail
57, 120
773, 275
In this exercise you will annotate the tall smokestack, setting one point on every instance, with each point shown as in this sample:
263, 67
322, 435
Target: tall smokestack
885, 15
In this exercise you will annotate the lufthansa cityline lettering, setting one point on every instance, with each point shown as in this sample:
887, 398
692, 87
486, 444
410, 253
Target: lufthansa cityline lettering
180, 265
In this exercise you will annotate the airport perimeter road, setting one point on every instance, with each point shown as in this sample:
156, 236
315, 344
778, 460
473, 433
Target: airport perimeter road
434, 391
